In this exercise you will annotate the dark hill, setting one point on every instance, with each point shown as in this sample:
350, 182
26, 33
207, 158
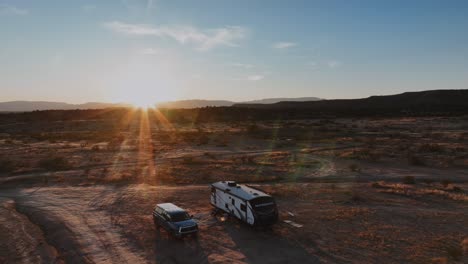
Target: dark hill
435, 100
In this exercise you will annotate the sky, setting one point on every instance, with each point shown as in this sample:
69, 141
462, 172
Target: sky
143, 51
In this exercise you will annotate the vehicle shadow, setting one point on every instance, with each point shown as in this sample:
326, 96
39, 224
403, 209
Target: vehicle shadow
265, 246
168, 249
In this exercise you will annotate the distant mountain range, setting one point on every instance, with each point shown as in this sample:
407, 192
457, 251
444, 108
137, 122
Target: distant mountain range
196, 103
26, 106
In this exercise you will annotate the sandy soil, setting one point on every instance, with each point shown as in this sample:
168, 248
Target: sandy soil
364, 191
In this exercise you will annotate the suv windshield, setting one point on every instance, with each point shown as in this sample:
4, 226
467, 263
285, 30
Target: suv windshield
179, 216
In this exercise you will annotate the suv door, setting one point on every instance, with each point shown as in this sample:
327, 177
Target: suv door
165, 221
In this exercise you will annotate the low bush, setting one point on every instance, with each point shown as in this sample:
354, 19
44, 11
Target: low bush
431, 148
188, 160
6, 166
355, 197
416, 161
409, 180
445, 183
95, 148
354, 167
455, 252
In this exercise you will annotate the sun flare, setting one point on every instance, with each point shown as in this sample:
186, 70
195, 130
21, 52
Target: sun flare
145, 104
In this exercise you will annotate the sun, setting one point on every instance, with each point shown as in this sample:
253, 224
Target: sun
144, 103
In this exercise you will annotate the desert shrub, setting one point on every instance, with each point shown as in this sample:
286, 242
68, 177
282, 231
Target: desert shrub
95, 148
366, 154
252, 128
54, 163
222, 143
464, 245
355, 197
354, 167
427, 181
439, 260
188, 160
6, 166
210, 155
445, 183
112, 146
431, 148
455, 252
459, 149
203, 140
415, 160
409, 180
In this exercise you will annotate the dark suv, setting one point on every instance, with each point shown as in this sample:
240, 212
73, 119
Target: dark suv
174, 219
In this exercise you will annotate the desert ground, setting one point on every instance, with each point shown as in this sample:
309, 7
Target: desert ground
362, 190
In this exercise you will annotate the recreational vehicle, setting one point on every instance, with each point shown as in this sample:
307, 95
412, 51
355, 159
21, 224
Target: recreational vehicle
248, 204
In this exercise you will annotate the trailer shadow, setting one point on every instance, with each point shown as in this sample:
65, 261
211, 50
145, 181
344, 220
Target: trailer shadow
264, 246
168, 249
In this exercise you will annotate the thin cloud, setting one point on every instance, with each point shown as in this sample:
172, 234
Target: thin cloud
196, 76
149, 51
88, 8
334, 64
284, 45
12, 10
204, 39
255, 77
242, 65
149, 4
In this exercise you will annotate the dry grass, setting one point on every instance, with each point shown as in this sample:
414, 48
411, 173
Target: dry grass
453, 192
54, 163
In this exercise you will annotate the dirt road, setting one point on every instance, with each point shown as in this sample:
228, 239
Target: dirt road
96, 225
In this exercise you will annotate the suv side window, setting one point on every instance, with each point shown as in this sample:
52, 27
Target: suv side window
167, 216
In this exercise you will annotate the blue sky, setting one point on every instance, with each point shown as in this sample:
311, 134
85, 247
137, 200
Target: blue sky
144, 51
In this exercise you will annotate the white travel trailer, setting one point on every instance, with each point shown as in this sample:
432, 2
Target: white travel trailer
248, 204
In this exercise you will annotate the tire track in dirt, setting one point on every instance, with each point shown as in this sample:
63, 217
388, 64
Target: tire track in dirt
81, 232
22, 241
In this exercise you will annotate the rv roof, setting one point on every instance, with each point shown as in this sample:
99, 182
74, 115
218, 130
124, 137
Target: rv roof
239, 190
170, 208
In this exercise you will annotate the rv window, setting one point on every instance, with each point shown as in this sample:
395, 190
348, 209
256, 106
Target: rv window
227, 206
243, 207
233, 202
